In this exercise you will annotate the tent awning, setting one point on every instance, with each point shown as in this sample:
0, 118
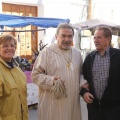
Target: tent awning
92, 24
22, 21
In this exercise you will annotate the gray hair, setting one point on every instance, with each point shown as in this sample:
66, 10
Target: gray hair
64, 25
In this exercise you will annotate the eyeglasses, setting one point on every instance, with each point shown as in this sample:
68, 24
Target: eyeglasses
7, 46
97, 38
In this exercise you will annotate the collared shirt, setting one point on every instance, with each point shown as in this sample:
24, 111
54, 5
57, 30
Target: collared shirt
100, 72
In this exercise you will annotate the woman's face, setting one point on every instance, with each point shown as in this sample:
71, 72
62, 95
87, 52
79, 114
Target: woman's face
7, 50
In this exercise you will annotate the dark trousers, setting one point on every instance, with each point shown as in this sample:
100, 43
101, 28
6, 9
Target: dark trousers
103, 113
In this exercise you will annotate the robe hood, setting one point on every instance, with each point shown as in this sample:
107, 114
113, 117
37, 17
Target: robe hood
54, 47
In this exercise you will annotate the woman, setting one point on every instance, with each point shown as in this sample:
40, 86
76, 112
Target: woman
13, 97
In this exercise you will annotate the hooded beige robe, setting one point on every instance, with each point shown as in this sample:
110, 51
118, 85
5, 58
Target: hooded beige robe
51, 62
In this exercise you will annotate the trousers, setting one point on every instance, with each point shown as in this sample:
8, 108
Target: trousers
103, 113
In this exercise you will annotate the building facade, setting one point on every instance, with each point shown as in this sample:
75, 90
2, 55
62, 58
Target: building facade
27, 41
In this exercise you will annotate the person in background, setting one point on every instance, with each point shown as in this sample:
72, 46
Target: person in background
13, 90
101, 69
57, 73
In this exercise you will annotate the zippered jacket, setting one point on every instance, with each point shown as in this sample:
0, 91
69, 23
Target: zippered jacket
111, 95
13, 92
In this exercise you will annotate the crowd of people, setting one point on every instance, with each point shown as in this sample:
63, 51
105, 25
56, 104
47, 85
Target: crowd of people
62, 76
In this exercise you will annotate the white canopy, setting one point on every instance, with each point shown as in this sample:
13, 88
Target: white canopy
92, 24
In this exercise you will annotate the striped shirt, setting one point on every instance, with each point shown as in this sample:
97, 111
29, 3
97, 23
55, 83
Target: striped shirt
100, 72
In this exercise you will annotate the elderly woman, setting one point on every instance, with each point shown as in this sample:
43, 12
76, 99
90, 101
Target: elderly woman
13, 97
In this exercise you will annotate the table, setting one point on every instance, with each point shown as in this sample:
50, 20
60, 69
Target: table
32, 90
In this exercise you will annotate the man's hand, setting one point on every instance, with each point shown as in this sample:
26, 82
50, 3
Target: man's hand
88, 98
55, 79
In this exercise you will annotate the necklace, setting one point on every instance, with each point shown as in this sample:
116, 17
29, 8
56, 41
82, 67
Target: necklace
68, 58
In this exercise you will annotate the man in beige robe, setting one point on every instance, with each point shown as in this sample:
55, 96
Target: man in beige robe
59, 61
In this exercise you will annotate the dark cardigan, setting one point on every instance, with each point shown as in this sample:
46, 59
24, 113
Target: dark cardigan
111, 94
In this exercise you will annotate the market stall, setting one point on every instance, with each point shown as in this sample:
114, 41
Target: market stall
32, 90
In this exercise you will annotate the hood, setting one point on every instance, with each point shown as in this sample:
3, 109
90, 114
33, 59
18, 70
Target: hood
15, 64
54, 47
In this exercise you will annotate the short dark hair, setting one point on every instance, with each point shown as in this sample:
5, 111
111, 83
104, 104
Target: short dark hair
107, 32
64, 25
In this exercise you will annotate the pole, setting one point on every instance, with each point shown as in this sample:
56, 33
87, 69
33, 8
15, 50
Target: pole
89, 10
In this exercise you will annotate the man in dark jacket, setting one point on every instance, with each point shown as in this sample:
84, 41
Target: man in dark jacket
101, 69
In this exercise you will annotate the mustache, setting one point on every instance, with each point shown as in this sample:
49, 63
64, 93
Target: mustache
66, 42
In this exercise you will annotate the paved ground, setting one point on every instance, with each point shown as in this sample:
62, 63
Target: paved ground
33, 113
